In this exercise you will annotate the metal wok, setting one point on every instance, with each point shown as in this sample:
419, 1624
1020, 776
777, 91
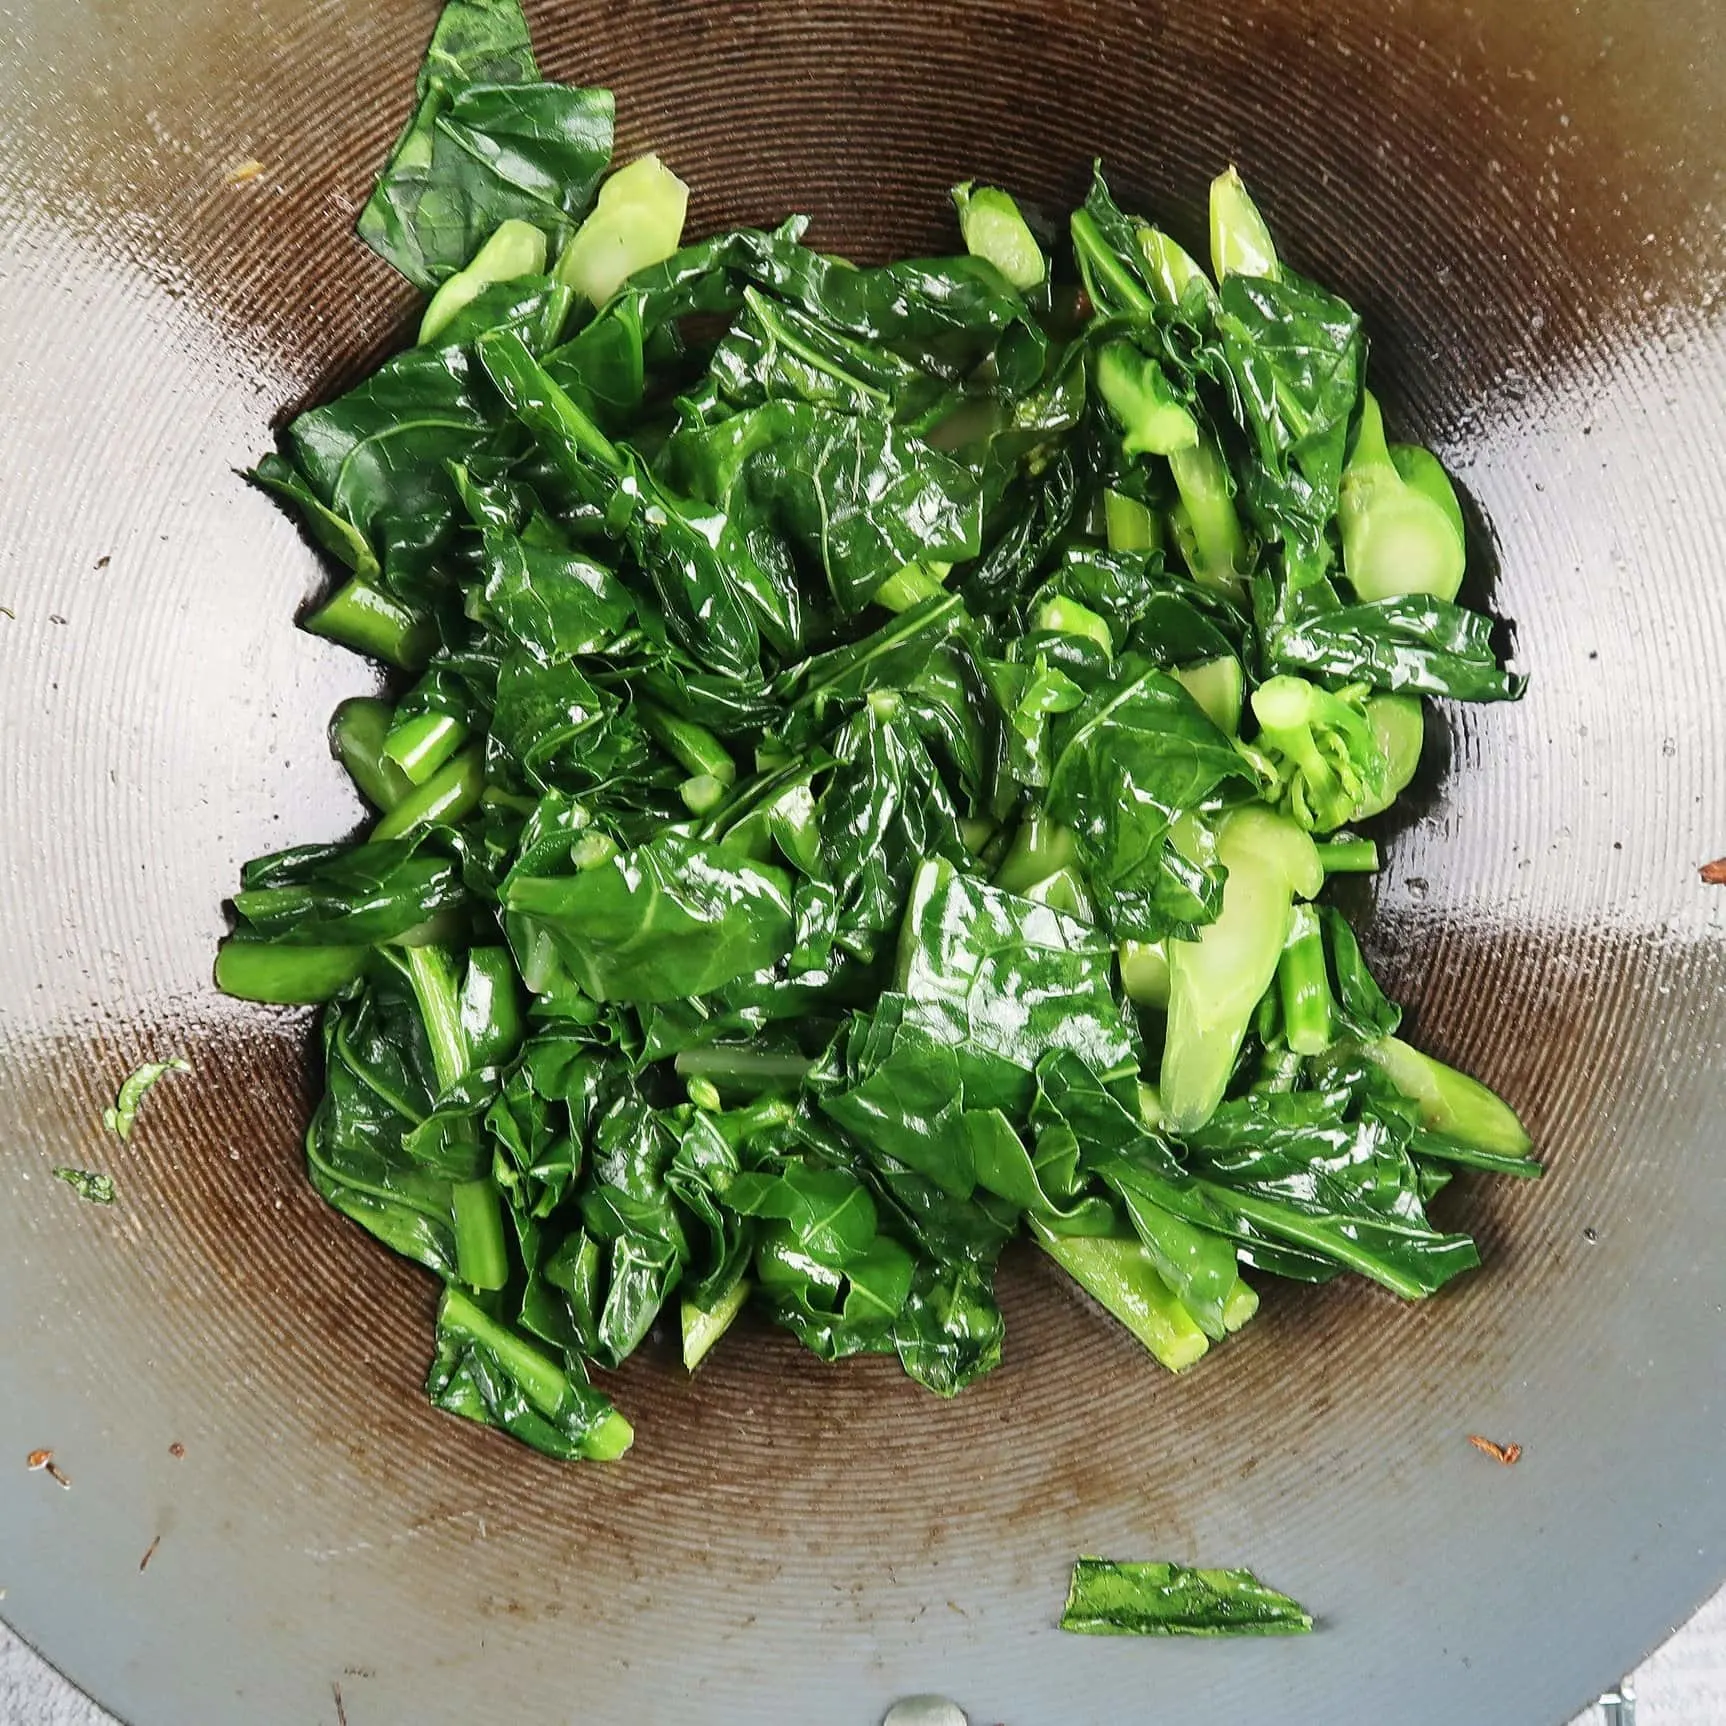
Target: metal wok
1525, 199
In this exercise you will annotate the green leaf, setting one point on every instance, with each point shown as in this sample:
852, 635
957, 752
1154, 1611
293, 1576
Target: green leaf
854, 499
487, 143
1003, 981
671, 919
1137, 756
1111, 1597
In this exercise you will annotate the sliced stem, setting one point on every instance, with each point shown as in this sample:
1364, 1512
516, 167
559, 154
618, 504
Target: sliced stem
447, 798
1241, 243
1218, 542
1064, 616
1153, 418
994, 229
481, 1252
637, 220
1217, 982
1396, 537
1451, 1102
366, 619
743, 1069
420, 745
358, 733
693, 747
516, 248
703, 1327
1118, 1274
286, 976
1041, 848
1399, 729
1129, 524
1218, 686
1171, 267
1304, 981
1145, 973
1340, 856
542, 1381
432, 976
1242, 1303
911, 586
702, 793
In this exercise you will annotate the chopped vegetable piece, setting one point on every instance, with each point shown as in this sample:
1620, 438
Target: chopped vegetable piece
1112, 1598
96, 1189
121, 1117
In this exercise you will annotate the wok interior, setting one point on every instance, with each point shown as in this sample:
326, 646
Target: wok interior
1480, 187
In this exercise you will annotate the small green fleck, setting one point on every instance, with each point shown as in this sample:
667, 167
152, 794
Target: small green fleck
97, 1189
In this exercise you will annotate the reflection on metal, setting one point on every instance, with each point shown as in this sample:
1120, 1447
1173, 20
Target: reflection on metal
1618, 1707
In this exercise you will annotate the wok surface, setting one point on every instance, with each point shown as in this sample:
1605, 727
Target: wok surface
1525, 201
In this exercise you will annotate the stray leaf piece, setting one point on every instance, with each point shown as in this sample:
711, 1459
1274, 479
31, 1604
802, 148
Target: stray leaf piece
150, 1552
246, 172
124, 1113
97, 1189
1508, 1454
1111, 1598
42, 1462
1715, 873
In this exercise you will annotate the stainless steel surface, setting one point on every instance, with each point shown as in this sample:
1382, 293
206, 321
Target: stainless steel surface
1525, 201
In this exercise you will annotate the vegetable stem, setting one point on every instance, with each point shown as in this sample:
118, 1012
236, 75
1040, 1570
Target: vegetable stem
1451, 1102
703, 1327
1216, 542
1348, 856
366, 619
994, 229
1119, 1275
1129, 524
433, 979
741, 1068
910, 586
420, 745
482, 1258
1305, 985
447, 798
1241, 243
541, 1379
695, 749
359, 731
516, 248
286, 976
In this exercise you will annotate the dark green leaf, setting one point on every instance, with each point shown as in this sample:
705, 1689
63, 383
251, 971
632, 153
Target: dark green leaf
672, 919
486, 143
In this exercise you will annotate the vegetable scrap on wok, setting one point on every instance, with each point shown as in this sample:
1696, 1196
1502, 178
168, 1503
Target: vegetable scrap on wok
860, 773
1108, 1597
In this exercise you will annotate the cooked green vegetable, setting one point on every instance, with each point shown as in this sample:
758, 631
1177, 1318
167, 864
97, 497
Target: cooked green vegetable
93, 1189
851, 801
1112, 1598
121, 1116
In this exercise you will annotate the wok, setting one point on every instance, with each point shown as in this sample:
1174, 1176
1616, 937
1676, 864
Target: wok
1524, 199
